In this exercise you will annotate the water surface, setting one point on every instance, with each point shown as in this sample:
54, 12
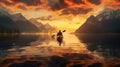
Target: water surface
100, 45
42, 50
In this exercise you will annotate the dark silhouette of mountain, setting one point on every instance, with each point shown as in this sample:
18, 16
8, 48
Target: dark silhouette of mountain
39, 25
42, 27
7, 25
106, 22
49, 28
24, 25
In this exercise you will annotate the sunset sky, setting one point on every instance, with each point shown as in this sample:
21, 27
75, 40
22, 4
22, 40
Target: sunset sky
63, 14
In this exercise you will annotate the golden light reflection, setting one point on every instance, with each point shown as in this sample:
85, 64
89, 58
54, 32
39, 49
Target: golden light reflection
51, 48
73, 48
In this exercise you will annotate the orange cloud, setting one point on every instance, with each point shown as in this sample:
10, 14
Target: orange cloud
113, 4
63, 12
96, 2
65, 6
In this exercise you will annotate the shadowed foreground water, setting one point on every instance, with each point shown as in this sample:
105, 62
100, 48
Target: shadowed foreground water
83, 50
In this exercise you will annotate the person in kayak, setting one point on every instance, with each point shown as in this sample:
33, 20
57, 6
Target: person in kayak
59, 33
60, 37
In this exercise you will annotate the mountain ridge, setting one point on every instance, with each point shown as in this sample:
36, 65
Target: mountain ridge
106, 22
25, 26
7, 25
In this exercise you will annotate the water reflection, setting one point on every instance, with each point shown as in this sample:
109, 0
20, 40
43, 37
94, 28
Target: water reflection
44, 45
97, 45
22, 40
11, 45
85, 50
50, 46
106, 44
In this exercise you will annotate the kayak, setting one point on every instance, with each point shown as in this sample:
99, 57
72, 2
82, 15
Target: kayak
60, 39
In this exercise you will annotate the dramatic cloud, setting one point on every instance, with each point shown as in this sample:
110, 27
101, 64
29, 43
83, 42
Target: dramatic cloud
66, 6
76, 11
57, 4
6, 2
118, 0
78, 1
22, 7
66, 12
28, 2
114, 4
70, 2
96, 2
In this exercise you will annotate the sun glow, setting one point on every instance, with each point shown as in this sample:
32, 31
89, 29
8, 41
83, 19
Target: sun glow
68, 22
63, 14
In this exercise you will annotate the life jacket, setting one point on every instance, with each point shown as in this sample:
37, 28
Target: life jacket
59, 37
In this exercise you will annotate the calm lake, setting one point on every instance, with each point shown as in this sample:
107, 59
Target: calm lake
101, 45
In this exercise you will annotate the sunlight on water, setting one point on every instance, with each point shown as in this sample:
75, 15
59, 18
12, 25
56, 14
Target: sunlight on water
50, 47
70, 44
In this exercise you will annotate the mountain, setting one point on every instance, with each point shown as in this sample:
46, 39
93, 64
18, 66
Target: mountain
24, 25
42, 27
106, 22
49, 28
39, 25
7, 25
4, 12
